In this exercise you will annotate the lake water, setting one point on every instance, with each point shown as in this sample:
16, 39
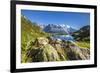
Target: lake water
64, 37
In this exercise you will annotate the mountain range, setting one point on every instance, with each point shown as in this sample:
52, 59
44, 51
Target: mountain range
57, 28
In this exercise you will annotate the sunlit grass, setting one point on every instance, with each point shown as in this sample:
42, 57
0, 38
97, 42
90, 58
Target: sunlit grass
83, 44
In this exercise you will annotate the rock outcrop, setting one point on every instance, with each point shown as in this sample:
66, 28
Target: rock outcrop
47, 49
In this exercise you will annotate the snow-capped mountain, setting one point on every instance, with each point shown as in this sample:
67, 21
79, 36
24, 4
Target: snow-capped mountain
57, 28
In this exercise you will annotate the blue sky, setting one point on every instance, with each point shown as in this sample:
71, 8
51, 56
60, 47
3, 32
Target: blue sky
73, 19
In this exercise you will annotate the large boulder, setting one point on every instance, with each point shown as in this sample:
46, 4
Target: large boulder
73, 52
46, 53
42, 51
41, 41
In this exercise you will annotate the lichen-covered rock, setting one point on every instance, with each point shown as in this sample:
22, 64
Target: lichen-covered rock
47, 53
51, 53
41, 41
45, 50
76, 53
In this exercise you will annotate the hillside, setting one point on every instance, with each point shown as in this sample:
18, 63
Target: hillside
29, 31
82, 34
38, 46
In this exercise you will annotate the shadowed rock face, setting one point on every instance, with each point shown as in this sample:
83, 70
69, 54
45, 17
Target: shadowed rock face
76, 53
46, 49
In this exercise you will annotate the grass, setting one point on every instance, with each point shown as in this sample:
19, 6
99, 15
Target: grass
83, 44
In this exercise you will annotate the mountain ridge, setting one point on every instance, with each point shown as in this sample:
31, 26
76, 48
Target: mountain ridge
57, 28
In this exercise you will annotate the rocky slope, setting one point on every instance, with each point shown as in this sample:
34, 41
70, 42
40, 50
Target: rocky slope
43, 50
